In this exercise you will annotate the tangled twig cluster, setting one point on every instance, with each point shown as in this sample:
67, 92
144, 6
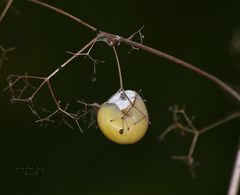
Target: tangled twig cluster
19, 84
184, 124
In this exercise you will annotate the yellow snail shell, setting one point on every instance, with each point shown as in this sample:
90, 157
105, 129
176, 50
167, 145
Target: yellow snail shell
124, 117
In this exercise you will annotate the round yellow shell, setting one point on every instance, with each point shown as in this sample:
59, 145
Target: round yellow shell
125, 126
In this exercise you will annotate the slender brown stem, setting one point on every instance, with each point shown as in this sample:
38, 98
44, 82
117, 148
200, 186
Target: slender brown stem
193, 145
3, 53
189, 121
8, 4
166, 131
184, 128
72, 58
196, 133
13, 79
34, 111
235, 179
3, 50
156, 52
28, 76
40, 86
48, 118
52, 94
119, 67
47, 79
187, 65
66, 113
220, 122
64, 13
178, 125
20, 77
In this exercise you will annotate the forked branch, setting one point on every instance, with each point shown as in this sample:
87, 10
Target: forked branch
3, 54
184, 124
112, 39
18, 85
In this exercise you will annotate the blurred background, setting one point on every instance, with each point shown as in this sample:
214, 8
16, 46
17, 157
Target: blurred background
57, 160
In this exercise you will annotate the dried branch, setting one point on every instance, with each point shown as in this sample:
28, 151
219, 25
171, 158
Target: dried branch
18, 87
89, 109
235, 180
112, 39
141, 37
3, 54
18, 92
95, 61
119, 67
4, 51
6, 8
184, 124
65, 13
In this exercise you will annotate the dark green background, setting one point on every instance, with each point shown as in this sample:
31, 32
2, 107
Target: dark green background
75, 163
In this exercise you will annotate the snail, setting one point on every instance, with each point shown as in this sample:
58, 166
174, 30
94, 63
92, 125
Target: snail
124, 117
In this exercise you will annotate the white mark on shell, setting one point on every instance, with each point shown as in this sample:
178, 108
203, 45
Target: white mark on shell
120, 99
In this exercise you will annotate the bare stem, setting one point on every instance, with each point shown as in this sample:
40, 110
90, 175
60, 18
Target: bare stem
8, 4
72, 58
19, 90
187, 65
179, 124
3, 53
220, 122
64, 13
193, 145
156, 52
235, 180
119, 67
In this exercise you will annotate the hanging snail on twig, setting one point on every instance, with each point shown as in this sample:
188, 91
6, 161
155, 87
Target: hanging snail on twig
123, 118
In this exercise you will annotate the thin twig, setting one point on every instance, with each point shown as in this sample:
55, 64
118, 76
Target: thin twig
119, 39
64, 13
119, 67
141, 37
95, 61
193, 145
187, 65
8, 4
72, 58
3, 53
235, 179
62, 66
220, 122
190, 128
45, 81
